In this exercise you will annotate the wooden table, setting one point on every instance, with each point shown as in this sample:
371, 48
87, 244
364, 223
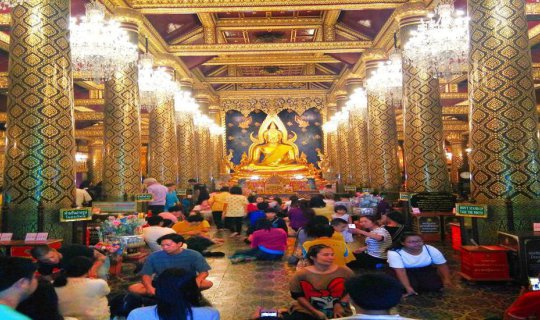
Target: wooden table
21, 248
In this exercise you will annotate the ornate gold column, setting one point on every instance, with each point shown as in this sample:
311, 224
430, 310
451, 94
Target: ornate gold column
332, 143
185, 134
122, 132
216, 145
456, 141
162, 150
382, 133
505, 161
426, 169
358, 140
343, 142
40, 150
95, 161
202, 143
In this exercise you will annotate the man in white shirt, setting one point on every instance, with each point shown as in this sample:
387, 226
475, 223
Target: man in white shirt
82, 196
373, 295
154, 232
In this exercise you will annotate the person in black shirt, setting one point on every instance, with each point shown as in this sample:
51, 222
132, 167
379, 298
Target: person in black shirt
50, 259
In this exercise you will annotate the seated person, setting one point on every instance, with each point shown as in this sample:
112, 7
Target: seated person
526, 306
80, 296
373, 296
174, 214
178, 297
267, 243
342, 227
254, 216
195, 231
276, 221
51, 260
319, 289
378, 241
418, 266
17, 283
167, 223
395, 225
340, 211
172, 256
323, 234
42, 304
154, 231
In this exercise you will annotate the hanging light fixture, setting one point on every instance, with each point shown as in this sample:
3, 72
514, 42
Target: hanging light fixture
99, 47
330, 126
386, 81
184, 104
440, 45
358, 100
155, 85
6, 4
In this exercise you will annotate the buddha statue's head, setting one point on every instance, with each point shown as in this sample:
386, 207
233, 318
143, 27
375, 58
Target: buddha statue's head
272, 134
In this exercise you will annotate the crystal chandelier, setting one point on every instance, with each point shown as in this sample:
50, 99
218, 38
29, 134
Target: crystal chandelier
440, 45
216, 130
99, 47
330, 126
184, 104
386, 81
6, 4
357, 101
155, 85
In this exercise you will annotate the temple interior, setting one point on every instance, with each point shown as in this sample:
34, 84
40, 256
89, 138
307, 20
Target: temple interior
430, 107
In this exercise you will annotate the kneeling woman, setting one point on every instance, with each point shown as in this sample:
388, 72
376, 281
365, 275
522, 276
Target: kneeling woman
419, 267
267, 243
319, 289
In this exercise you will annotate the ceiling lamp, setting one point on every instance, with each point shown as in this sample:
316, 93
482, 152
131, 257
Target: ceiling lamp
216, 130
6, 4
184, 104
156, 86
330, 126
99, 47
357, 100
440, 45
386, 81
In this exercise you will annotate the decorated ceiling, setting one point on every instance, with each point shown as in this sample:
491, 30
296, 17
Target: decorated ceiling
236, 49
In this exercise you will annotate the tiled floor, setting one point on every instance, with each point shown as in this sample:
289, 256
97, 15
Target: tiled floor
239, 289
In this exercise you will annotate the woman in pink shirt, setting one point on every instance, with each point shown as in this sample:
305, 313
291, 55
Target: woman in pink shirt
267, 243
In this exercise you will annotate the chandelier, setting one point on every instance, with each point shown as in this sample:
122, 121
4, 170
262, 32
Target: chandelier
155, 85
184, 104
357, 101
330, 126
386, 81
6, 4
216, 130
440, 45
99, 47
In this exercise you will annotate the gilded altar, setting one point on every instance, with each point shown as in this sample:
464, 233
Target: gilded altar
273, 162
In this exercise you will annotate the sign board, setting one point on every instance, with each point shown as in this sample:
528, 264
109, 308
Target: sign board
405, 196
532, 256
6, 236
348, 188
181, 192
471, 210
429, 225
368, 190
144, 197
112, 207
434, 201
75, 214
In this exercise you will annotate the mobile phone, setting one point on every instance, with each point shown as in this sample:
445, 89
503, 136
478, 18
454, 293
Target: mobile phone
352, 226
268, 313
534, 283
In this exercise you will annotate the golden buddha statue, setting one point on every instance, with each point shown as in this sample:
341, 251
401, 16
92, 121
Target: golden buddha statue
271, 151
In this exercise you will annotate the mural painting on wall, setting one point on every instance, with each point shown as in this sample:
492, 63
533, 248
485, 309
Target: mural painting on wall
306, 127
